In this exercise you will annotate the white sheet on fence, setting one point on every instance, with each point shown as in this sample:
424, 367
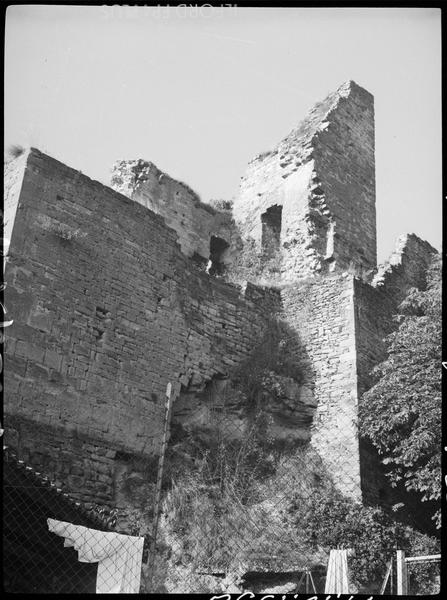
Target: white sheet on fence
119, 556
337, 580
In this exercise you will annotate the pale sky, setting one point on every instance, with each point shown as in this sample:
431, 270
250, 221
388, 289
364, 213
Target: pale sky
201, 91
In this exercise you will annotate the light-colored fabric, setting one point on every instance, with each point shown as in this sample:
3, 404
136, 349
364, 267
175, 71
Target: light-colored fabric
337, 580
118, 556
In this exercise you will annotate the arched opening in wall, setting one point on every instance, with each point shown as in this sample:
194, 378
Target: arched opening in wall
218, 249
271, 230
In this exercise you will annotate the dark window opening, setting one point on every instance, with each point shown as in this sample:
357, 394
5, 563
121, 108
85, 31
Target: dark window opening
271, 229
199, 261
218, 248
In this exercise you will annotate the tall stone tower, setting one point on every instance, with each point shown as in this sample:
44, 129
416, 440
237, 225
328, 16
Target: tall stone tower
312, 198
310, 204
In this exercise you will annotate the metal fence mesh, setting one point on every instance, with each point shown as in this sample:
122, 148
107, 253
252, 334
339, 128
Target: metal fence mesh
239, 510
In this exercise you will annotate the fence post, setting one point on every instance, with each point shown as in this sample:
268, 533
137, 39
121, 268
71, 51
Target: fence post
157, 500
387, 576
402, 584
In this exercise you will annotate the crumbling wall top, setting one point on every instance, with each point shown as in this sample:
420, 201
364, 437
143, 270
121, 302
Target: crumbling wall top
406, 267
195, 222
322, 177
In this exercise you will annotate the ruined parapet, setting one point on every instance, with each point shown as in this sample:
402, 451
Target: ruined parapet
312, 198
378, 302
13, 177
204, 233
406, 268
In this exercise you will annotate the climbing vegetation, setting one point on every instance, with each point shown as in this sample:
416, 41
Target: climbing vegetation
401, 413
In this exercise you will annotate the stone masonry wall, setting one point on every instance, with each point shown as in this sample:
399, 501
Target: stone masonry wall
194, 221
107, 310
13, 177
321, 309
322, 174
109, 305
343, 322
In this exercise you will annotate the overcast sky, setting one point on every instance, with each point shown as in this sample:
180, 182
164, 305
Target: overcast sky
201, 91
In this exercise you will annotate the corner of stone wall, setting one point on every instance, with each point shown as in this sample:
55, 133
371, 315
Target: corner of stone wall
321, 310
406, 268
14, 170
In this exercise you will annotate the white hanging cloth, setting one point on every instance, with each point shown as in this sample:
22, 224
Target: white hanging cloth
337, 580
118, 556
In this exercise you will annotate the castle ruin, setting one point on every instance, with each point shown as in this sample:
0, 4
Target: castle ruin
117, 291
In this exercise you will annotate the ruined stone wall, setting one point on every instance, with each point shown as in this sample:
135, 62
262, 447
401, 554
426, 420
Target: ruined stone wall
321, 309
71, 459
342, 322
107, 310
344, 155
406, 267
375, 306
194, 221
109, 305
13, 177
322, 174
374, 310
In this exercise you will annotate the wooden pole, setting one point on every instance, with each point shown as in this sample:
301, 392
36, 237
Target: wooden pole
392, 577
385, 581
297, 589
426, 558
157, 500
312, 582
402, 583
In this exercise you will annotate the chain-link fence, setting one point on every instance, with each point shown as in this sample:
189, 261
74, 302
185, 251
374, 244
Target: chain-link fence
52, 544
244, 493
251, 511
424, 568
239, 510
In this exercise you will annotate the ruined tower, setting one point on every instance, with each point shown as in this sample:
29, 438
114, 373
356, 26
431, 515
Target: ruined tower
109, 304
311, 203
314, 194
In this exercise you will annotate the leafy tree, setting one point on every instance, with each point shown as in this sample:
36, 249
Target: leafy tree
326, 519
401, 413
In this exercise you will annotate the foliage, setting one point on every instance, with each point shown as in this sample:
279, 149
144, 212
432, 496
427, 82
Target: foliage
401, 413
329, 520
275, 355
244, 498
223, 205
245, 505
106, 513
208, 508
